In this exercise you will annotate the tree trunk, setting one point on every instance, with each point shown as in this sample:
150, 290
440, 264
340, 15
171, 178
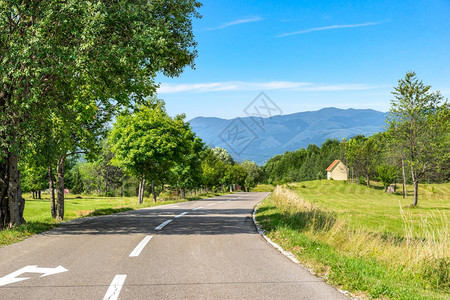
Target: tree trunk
141, 190
405, 195
4, 209
51, 187
183, 193
16, 203
416, 187
60, 188
153, 191
368, 180
416, 192
39, 195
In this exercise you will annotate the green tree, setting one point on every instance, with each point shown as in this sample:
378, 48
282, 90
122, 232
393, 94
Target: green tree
213, 170
387, 175
253, 174
148, 143
77, 184
223, 155
361, 153
187, 174
418, 127
65, 53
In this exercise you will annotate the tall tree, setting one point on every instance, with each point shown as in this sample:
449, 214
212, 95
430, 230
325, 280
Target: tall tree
418, 127
187, 174
148, 143
361, 153
253, 174
72, 52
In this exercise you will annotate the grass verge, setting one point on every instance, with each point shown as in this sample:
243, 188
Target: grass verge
337, 242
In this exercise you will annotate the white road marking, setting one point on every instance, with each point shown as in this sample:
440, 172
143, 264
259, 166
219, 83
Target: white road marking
197, 208
115, 287
163, 224
11, 278
182, 214
141, 246
211, 204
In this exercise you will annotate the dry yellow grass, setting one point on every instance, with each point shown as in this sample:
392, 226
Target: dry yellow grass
423, 249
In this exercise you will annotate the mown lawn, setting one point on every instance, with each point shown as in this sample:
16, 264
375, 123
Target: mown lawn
375, 210
363, 240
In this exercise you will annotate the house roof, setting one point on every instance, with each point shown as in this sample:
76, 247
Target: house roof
333, 164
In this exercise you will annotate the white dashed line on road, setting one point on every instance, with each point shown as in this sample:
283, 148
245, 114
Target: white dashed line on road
182, 214
211, 204
197, 208
140, 246
115, 287
163, 224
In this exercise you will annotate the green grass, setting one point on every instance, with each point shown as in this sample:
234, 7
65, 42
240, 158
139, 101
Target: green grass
364, 240
38, 216
374, 209
263, 188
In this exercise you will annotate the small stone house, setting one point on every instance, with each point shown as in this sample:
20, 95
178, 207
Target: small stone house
337, 171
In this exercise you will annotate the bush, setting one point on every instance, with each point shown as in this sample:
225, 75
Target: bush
386, 175
362, 180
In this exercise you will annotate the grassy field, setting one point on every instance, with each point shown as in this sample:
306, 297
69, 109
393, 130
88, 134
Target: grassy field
364, 240
38, 216
263, 188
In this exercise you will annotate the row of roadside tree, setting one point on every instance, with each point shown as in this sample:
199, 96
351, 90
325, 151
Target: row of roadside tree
67, 68
147, 147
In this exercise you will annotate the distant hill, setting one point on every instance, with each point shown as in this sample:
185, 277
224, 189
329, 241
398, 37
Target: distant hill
259, 139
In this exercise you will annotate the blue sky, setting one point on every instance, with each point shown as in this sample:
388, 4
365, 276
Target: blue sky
307, 55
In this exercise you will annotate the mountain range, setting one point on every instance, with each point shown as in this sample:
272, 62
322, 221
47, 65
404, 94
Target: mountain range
258, 139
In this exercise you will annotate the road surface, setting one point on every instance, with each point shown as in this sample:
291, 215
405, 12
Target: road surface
206, 249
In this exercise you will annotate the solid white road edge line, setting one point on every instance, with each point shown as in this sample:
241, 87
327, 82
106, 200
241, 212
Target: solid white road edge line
140, 246
197, 208
276, 246
161, 226
115, 287
182, 214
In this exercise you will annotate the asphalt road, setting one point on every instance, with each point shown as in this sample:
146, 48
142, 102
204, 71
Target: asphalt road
208, 250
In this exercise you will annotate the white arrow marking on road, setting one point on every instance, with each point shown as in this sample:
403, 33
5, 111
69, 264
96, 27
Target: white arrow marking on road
11, 278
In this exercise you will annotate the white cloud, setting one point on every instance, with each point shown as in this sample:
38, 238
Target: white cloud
326, 28
237, 22
168, 88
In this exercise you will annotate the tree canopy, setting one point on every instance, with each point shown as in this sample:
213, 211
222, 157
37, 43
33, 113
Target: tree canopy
418, 126
81, 55
148, 143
